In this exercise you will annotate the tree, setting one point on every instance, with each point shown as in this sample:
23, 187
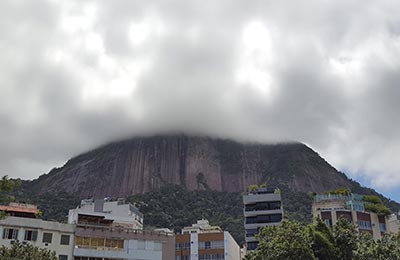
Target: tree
290, 240
6, 185
26, 252
323, 242
345, 234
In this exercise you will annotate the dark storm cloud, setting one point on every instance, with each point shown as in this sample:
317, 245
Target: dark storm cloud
77, 74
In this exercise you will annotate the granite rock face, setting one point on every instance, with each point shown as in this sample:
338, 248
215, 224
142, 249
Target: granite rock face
144, 164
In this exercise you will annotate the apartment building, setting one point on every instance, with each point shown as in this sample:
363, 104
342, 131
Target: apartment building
22, 225
114, 230
117, 213
262, 207
201, 241
331, 207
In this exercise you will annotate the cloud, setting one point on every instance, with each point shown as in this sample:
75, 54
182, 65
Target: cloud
77, 74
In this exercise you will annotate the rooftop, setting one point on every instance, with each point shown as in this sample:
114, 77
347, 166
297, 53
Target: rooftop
20, 208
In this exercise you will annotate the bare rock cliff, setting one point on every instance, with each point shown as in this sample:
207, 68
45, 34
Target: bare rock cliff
144, 164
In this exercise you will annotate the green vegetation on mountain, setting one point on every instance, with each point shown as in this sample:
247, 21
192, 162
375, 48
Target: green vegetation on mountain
175, 207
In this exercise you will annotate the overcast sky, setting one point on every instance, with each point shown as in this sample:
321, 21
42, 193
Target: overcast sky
77, 74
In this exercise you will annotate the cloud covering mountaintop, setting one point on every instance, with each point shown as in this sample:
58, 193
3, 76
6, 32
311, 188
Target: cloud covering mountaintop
77, 74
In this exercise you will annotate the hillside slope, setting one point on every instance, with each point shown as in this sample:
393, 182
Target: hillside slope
145, 164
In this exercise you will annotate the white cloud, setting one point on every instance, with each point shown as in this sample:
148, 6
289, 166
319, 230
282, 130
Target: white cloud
76, 74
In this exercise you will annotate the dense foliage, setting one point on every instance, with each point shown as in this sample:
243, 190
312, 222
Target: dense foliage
375, 204
175, 207
294, 241
19, 251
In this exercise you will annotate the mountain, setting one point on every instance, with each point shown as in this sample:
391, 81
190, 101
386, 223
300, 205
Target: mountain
145, 164
177, 179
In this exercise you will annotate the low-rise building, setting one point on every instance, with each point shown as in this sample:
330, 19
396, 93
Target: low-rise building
114, 230
331, 207
201, 241
262, 207
22, 225
107, 212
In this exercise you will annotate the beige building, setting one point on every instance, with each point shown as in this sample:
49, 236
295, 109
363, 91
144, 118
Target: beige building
331, 207
23, 225
201, 241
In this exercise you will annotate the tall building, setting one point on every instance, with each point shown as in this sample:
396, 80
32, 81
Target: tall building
201, 241
262, 207
114, 230
23, 225
331, 207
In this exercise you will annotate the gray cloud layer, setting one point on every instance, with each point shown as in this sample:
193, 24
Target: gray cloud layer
76, 74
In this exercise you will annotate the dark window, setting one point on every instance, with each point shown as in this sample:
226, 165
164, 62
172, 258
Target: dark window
64, 240
30, 235
276, 218
10, 233
275, 205
207, 244
63, 257
251, 232
251, 220
263, 219
47, 237
252, 245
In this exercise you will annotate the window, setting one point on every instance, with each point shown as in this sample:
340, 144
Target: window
211, 257
216, 244
328, 222
182, 257
182, 245
157, 246
251, 232
382, 227
10, 233
64, 240
364, 224
63, 257
252, 245
47, 237
276, 218
251, 220
30, 235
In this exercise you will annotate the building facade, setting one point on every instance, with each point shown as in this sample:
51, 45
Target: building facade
202, 241
114, 230
118, 213
262, 207
103, 243
331, 207
22, 225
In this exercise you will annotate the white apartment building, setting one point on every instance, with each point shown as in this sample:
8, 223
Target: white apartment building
117, 213
50, 235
